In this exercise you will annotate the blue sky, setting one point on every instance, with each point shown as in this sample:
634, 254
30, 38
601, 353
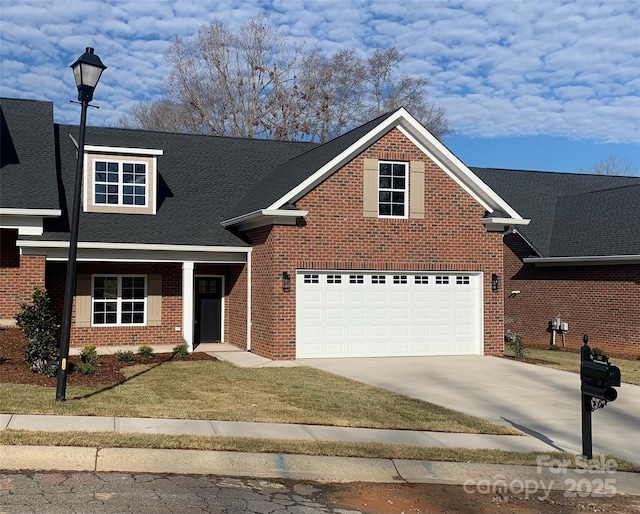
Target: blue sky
543, 85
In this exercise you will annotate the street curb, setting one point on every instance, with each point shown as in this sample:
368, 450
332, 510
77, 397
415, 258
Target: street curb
474, 477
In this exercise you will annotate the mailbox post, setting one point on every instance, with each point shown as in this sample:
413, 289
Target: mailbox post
598, 379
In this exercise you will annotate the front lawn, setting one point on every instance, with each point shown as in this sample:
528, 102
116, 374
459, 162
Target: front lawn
220, 391
570, 361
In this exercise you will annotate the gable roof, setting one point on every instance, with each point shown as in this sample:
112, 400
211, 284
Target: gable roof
572, 215
28, 159
294, 178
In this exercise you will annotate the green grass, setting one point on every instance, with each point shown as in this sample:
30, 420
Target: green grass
569, 361
298, 447
221, 391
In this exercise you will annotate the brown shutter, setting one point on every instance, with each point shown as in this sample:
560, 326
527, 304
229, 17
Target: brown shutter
154, 300
416, 189
370, 189
83, 301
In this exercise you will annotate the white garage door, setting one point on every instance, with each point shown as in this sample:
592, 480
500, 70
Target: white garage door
370, 314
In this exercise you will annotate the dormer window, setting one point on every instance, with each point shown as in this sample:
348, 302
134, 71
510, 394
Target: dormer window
120, 180
120, 183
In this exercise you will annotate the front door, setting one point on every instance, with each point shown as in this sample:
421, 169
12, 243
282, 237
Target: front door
208, 316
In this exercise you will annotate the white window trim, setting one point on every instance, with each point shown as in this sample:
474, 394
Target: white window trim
392, 190
121, 184
119, 300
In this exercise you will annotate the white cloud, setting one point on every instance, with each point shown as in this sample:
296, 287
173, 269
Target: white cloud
498, 68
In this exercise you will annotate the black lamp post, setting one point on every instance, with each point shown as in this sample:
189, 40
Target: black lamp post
86, 70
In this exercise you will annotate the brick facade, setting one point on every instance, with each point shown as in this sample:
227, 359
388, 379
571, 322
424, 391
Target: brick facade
19, 276
235, 319
336, 235
601, 301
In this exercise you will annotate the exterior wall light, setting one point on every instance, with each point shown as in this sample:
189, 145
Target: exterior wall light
286, 282
495, 283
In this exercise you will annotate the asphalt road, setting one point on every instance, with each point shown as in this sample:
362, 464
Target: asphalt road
80, 493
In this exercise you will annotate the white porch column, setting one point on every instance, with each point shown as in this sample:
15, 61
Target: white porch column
187, 304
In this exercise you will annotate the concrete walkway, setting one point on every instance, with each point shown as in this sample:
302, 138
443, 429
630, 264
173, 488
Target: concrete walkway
268, 430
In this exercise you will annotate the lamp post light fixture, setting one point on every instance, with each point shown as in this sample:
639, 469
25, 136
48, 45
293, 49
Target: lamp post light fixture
87, 71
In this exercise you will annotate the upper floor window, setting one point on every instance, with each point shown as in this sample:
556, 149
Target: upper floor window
120, 180
120, 183
392, 189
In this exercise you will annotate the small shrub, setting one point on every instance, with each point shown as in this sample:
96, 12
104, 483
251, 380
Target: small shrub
597, 351
84, 368
89, 355
145, 351
124, 356
40, 328
180, 350
516, 345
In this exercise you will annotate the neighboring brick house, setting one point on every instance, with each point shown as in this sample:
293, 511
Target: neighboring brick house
377, 243
577, 261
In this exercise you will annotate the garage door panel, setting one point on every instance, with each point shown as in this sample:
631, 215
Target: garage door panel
385, 313
381, 297
335, 297
357, 331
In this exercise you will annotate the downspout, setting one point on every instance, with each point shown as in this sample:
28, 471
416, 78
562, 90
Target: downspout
249, 300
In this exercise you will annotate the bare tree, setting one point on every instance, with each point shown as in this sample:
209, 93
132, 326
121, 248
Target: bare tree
613, 165
256, 83
389, 91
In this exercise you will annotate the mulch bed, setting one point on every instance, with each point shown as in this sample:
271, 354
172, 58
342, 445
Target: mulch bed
14, 370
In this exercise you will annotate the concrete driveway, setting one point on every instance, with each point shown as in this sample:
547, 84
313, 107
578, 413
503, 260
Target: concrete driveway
542, 402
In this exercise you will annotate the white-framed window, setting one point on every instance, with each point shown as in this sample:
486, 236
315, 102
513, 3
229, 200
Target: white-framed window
393, 187
334, 279
120, 183
356, 279
119, 300
462, 280
421, 279
442, 279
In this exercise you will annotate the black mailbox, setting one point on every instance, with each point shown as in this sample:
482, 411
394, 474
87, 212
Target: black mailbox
599, 379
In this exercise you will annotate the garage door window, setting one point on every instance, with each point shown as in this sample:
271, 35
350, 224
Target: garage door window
462, 281
356, 279
422, 279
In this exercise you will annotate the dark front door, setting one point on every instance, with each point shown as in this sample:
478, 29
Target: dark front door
208, 319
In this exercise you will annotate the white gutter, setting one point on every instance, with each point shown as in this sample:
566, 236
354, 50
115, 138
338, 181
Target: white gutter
265, 215
30, 212
131, 246
506, 221
595, 260
249, 300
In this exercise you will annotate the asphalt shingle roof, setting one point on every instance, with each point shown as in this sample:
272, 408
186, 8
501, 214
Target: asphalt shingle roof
293, 172
203, 180
27, 156
200, 179
571, 214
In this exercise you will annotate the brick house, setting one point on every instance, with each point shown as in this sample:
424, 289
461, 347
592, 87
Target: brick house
378, 243
577, 261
